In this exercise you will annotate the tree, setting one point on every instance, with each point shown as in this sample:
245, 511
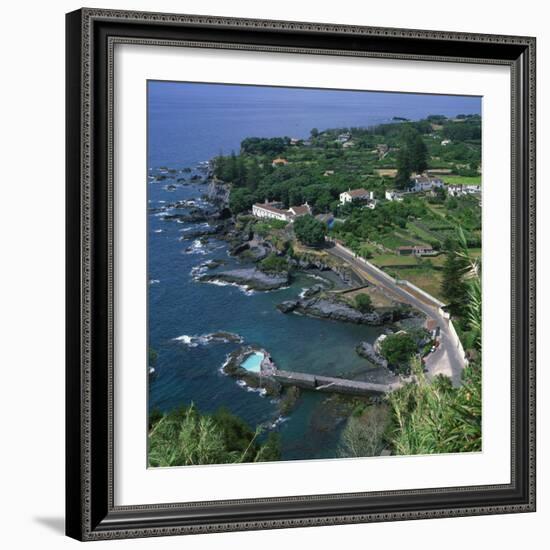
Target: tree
253, 175
453, 286
364, 434
240, 200
310, 231
404, 168
418, 154
363, 303
411, 157
273, 264
398, 348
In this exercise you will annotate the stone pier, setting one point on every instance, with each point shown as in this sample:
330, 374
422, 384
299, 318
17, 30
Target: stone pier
329, 384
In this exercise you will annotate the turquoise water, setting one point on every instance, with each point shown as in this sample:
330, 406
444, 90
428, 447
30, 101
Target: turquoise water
253, 362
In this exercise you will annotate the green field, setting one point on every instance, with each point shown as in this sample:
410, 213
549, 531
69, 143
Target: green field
462, 180
425, 277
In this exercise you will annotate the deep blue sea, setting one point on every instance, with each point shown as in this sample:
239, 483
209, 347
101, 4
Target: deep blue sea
191, 123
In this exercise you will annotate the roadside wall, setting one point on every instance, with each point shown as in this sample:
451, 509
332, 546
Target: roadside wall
454, 337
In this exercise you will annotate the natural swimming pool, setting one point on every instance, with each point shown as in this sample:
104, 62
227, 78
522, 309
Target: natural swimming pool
253, 362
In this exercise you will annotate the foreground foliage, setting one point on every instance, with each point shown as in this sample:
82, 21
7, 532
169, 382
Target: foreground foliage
186, 437
364, 432
433, 417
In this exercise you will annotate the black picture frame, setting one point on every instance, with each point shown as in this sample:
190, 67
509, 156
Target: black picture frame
90, 510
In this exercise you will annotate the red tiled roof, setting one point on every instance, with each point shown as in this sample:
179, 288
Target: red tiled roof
299, 210
271, 208
358, 192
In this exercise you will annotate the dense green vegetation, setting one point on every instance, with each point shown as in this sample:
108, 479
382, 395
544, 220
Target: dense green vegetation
398, 348
363, 303
310, 231
273, 264
185, 437
433, 417
323, 166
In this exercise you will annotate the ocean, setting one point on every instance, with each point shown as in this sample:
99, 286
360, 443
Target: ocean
189, 124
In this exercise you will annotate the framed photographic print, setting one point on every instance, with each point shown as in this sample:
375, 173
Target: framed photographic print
300, 274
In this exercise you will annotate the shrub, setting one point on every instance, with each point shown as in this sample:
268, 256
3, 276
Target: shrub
364, 432
187, 437
273, 264
398, 348
363, 303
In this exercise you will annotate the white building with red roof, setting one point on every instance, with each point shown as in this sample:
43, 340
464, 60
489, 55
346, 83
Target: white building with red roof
272, 210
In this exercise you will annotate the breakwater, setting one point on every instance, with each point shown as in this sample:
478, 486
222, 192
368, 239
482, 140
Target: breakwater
330, 384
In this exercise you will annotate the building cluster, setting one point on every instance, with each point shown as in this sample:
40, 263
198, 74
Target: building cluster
460, 190
422, 182
427, 183
273, 210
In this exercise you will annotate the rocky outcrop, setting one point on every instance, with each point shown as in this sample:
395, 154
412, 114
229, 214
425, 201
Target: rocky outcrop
211, 230
307, 262
251, 278
264, 381
329, 307
366, 350
218, 192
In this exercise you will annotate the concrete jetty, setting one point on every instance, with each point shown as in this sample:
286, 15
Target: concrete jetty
329, 384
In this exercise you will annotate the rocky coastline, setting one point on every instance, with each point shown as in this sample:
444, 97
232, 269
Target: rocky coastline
331, 307
251, 278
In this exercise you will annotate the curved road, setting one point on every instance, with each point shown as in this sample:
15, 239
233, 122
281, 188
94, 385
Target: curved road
447, 359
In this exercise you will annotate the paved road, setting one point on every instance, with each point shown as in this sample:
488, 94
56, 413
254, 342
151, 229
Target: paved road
446, 359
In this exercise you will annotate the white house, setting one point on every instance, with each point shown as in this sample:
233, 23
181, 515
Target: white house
392, 195
271, 210
424, 183
416, 250
356, 194
445, 142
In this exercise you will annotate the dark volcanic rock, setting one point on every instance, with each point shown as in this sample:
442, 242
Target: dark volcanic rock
193, 217
239, 249
288, 306
218, 192
332, 308
312, 291
366, 350
250, 278
206, 232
